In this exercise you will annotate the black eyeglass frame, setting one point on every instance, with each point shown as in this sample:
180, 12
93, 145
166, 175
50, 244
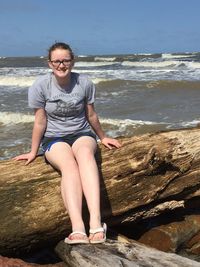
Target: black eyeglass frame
57, 62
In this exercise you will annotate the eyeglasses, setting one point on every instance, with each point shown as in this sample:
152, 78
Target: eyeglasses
65, 62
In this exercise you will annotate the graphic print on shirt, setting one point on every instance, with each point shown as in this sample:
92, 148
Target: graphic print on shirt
61, 108
64, 109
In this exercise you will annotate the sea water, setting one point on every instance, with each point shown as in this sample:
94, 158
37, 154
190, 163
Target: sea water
135, 94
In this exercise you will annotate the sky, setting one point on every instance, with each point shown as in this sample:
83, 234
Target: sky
99, 27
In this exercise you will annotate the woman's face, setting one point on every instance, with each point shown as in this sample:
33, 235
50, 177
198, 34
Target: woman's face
61, 62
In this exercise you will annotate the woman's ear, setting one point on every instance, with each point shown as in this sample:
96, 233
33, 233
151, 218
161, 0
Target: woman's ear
50, 64
73, 62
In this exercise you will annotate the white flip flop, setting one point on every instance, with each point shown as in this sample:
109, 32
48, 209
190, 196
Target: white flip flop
103, 230
70, 241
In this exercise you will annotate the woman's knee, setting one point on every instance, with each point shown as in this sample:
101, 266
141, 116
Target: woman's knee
84, 145
62, 159
84, 153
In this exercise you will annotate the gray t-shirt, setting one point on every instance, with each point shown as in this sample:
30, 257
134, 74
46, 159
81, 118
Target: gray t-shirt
65, 108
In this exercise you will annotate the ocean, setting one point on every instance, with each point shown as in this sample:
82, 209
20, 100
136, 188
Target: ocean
135, 94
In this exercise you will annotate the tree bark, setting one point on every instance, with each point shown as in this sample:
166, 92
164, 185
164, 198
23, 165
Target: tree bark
150, 175
117, 254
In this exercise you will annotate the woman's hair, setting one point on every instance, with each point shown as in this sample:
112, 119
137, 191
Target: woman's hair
60, 45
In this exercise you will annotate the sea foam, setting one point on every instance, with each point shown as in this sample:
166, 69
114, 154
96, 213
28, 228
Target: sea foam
15, 118
16, 81
158, 64
126, 122
168, 56
94, 64
104, 58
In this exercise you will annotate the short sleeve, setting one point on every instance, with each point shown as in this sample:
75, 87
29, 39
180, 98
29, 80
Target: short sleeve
90, 92
36, 97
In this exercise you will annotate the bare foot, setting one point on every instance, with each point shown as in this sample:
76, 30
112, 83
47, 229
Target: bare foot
76, 238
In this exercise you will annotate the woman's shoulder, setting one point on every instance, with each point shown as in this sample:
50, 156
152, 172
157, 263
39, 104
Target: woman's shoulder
41, 85
82, 79
43, 79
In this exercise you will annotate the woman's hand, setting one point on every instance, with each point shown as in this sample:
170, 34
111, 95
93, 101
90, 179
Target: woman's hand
29, 157
38, 131
110, 142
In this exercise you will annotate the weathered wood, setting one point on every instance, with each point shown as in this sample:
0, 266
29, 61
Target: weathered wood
149, 175
118, 254
175, 236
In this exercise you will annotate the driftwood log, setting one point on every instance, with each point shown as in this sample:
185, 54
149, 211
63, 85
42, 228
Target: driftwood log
150, 175
118, 254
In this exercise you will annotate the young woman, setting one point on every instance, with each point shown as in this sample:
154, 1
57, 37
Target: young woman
64, 116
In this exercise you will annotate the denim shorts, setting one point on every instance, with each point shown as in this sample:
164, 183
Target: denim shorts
47, 142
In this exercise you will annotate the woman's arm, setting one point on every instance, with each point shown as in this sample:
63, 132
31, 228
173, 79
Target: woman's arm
39, 127
96, 126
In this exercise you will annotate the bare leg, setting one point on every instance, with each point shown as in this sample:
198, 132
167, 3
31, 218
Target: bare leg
84, 149
61, 157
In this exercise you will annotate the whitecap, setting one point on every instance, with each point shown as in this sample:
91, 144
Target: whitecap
105, 59
16, 81
126, 122
158, 64
15, 118
94, 64
184, 124
168, 56
194, 65
99, 80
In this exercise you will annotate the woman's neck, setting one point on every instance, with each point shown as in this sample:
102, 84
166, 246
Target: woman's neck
63, 82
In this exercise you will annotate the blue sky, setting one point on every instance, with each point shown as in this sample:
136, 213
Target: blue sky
29, 27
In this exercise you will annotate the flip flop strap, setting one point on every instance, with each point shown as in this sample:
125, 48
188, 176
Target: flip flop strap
97, 230
77, 232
